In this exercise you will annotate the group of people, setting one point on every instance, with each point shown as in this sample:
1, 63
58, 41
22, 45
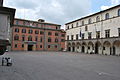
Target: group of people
6, 61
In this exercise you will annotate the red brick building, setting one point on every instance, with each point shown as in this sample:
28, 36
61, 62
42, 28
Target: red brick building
38, 35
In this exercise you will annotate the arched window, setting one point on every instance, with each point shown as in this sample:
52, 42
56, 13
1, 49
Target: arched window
77, 24
82, 23
107, 16
97, 18
118, 12
89, 21
72, 25
30, 38
16, 37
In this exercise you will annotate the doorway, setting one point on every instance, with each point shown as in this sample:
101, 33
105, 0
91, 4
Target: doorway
96, 48
113, 50
83, 49
30, 47
69, 48
73, 49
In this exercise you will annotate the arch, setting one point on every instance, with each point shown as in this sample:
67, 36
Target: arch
116, 48
69, 44
69, 47
107, 16
78, 47
73, 44
107, 43
84, 47
97, 18
98, 47
107, 48
78, 44
73, 47
90, 47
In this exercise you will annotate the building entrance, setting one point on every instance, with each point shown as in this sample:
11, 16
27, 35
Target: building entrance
113, 50
83, 49
73, 49
30, 47
69, 48
96, 48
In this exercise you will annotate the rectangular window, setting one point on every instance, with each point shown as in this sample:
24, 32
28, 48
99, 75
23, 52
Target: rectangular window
63, 35
89, 35
72, 36
83, 35
36, 32
86, 28
67, 37
76, 36
56, 34
67, 27
41, 32
49, 33
72, 25
30, 31
23, 30
16, 30
97, 34
107, 33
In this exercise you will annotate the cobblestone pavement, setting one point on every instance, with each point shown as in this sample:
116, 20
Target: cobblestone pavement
60, 66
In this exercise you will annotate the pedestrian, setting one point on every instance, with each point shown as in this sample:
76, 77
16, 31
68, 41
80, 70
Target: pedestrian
3, 61
9, 61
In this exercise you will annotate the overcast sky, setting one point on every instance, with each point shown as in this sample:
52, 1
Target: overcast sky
57, 11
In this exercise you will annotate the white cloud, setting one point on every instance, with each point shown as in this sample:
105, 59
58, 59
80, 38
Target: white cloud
56, 11
104, 7
113, 3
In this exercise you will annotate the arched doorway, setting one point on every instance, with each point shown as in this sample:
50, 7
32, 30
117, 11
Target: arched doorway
107, 48
97, 48
116, 48
84, 48
78, 46
73, 47
69, 47
90, 47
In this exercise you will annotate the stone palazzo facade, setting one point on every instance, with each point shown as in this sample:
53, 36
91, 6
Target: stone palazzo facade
28, 35
98, 33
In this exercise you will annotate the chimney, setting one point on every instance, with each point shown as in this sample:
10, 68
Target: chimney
41, 20
1, 3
